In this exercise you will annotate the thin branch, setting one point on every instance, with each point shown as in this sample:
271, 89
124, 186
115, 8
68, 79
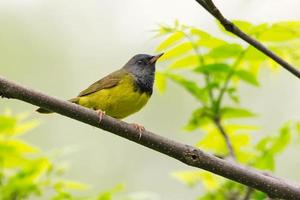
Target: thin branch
226, 138
201, 63
249, 191
229, 26
182, 152
227, 80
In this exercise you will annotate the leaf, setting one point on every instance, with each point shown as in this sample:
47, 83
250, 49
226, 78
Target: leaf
199, 33
200, 117
178, 50
205, 39
282, 31
265, 162
230, 112
281, 142
171, 40
108, 195
214, 68
190, 86
218, 146
253, 55
226, 51
16, 147
298, 127
191, 178
246, 77
232, 93
7, 124
10, 125
160, 82
240, 140
190, 61
70, 185
243, 25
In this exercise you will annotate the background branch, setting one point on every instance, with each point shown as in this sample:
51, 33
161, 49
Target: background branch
187, 154
229, 26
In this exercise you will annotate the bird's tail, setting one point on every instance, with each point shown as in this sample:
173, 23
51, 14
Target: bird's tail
45, 111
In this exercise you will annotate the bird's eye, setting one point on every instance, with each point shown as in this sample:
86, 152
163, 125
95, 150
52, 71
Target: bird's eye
140, 62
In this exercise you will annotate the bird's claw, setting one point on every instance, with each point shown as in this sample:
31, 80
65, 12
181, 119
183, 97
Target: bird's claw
100, 114
140, 128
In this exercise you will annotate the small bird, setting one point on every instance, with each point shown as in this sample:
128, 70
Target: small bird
122, 92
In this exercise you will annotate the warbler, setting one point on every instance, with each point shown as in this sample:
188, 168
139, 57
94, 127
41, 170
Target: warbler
122, 92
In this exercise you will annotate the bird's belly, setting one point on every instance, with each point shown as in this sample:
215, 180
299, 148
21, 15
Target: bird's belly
118, 102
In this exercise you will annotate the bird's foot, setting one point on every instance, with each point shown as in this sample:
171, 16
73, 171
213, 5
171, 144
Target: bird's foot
100, 114
139, 128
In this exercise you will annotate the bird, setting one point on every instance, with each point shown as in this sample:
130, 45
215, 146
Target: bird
122, 92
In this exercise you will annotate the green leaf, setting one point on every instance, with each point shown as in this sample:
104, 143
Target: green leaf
247, 77
178, 50
282, 31
160, 82
190, 61
267, 161
191, 178
11, 126
16, 147
244, 25
226, 51
200, 117
230, 112
218, 146
199, 33
206, 40
252, 54
298, 127
190, 86
170, 41
232, 93
281, 142
214, 68
108, 195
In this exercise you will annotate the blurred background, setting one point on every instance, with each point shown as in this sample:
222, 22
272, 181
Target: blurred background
60, 47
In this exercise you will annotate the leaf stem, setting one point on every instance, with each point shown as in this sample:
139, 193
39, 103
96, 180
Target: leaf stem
227, 80
225, 136
201, 63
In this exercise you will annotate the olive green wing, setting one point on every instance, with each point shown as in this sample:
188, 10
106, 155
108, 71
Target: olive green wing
108, 81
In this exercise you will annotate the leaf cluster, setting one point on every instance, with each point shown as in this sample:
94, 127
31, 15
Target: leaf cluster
211, 69
26, 171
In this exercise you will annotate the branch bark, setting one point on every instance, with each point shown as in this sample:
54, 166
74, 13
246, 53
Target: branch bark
182, 152
209, 6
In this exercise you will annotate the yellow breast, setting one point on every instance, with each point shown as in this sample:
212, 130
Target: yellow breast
119, 101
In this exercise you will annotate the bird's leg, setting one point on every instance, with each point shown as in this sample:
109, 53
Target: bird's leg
139, 128
100, 114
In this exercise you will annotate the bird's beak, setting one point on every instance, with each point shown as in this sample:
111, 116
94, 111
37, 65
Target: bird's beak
155, 58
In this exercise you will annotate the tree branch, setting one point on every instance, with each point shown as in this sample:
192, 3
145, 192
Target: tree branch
229, 26
184, 153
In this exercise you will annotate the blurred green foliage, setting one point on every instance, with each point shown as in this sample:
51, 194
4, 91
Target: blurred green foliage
25, 171
211, 70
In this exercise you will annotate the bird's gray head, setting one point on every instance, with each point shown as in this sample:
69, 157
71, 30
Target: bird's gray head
142, 64
142, 67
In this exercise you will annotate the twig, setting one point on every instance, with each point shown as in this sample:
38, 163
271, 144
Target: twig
249, 191
182, 152
226, 138
229, 26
